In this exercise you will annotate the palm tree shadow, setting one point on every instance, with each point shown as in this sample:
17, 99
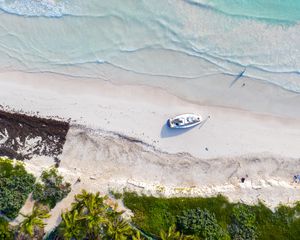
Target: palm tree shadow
240, 75
167, 132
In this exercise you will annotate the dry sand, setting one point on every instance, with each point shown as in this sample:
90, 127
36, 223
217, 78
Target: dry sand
106, 161
118, 139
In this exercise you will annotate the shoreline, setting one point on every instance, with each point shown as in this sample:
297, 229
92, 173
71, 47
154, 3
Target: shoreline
123, 109
255, 97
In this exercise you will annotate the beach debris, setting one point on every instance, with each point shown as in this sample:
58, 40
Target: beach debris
23, 136
297, 178
136, 183
160, 188
4, 136
243, 179
78, 180
57, 162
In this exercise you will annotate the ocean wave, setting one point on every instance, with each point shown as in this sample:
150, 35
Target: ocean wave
34, 8
162, 39
288, 81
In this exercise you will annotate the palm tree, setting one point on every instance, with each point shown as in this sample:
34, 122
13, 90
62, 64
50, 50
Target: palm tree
93, 222
172, 234
118, 229
188, 237
137, 236
79, 200
94, 219
91, 213
70, 227
5, 230
33, 221
87, 200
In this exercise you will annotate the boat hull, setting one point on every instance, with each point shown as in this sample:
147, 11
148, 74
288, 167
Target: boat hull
184, 118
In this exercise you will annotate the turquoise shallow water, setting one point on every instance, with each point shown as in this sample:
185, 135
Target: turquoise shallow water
178, 38
276, 11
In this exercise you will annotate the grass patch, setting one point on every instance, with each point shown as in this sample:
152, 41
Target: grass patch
115, 194
153, 214
15, 186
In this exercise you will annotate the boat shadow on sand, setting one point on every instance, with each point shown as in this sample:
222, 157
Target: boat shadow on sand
167, 132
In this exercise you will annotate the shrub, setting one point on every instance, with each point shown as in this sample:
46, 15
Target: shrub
115, 194
5, 232
243, 223
52, 189
15, 186
201, 223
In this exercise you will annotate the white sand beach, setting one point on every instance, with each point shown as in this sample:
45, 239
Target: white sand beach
141, 112
119, 139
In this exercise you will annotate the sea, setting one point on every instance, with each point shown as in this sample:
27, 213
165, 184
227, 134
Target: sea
180, 39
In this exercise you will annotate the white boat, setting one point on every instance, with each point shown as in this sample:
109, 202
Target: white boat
185, 121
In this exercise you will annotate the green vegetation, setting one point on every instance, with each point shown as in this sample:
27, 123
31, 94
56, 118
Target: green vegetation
15, 186
201, 223
91, 218
173, 234
116, 195
237, 221
243, 225
155, 214
52, 189
33, 224
5, 230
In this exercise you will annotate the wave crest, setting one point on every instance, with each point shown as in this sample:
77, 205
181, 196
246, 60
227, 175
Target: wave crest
34, 8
